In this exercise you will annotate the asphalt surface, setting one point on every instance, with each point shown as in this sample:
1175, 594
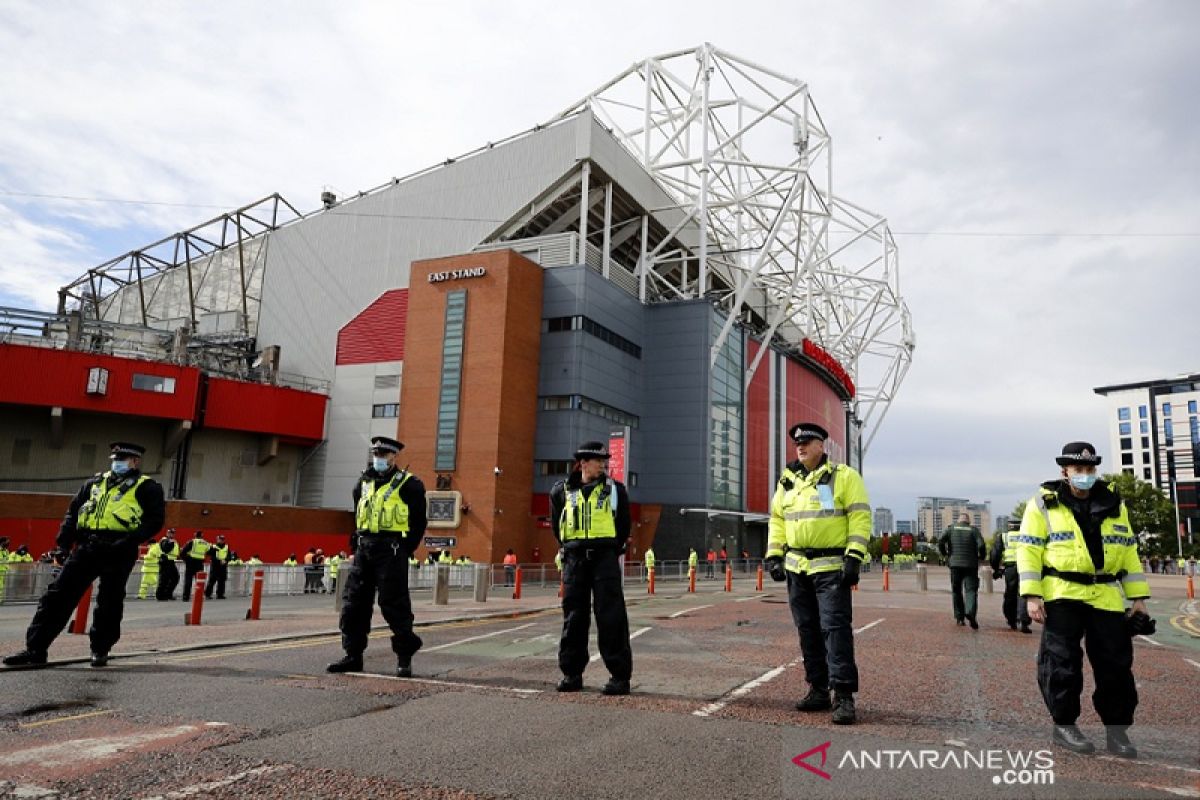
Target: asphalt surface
236, 708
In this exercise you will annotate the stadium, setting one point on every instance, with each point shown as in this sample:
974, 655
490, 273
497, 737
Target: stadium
664, 265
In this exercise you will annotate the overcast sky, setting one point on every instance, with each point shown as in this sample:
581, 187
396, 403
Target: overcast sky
1039, 163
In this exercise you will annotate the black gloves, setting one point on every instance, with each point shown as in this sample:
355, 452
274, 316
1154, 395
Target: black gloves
850, 571
1139, 624
774, 566
997, 574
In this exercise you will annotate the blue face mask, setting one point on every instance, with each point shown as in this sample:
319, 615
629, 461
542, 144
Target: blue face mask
380, 464
120, 467
1083, 481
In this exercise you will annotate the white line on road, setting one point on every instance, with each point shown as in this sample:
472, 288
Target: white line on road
1143, 763
436, 682
1193, 663
688, 610
201, 788
92, 749
476, 638
869, 625
751, 597
1151, 641
632, 636
745, 688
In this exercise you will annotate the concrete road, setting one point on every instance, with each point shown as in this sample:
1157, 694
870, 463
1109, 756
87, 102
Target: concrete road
240, 709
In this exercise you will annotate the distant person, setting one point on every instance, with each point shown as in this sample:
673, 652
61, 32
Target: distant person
218, 558
193, 553
510, 567
710, 561
1004, 565
168, 570
149, 576
648, 561
106, 522
963, 547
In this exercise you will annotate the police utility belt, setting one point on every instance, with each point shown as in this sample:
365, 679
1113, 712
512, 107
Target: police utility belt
1086, 578
816, 552
588, 553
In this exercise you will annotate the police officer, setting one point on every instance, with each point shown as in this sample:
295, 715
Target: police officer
168, 571
390, 521
648, 561
106, 521
1004, 565
218, 557
817, 539
1075, 548
589, 513
193, 553
963, 547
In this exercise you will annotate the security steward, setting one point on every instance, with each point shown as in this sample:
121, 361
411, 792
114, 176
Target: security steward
106, 522
168, 571
193, 554
589, 514
1004, 565
149, 570
218, 558
390, 521
1076, 556
817, 539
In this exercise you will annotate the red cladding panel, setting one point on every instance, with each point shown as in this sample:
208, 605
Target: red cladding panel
258, 408
38, 376
758, 432
377, 333
809, 399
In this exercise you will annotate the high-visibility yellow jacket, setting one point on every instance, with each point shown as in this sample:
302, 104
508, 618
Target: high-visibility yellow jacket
112, 505
380, 509
1050, 539
819, 517
649, 558
590, 517
151, 559
693, 559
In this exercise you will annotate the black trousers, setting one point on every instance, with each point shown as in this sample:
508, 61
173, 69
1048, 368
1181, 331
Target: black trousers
964, 590
380, 565
586, 581
1014, 607
217, 575
1060, 662
168, 579
112, 565
822, 611
190, 567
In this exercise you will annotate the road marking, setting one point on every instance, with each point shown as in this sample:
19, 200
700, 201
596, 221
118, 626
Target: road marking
751, 597
201, 788
100, 747
869, 625
745, 688
39, 723
436, 682
632, 636
28, 790
1144, 763
687, 611
1193, 663
1151, 641
477, 638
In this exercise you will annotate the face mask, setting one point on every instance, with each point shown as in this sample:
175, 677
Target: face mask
380, 464
1083, 481
120, 467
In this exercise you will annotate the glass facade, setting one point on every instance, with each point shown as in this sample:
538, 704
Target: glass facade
446, 454
726, 418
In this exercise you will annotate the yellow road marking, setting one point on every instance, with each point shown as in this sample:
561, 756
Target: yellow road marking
85, 715
1186, 624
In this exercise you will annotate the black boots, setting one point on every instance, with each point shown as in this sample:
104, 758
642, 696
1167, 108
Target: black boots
816, 700
1118, 742
1070, 737
26, 658
348, 663
843, 708
404, 667
99, 659
974, 624
570, 683
615, 686
1025, 628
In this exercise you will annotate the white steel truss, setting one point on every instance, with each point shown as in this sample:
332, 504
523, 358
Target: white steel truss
746, 157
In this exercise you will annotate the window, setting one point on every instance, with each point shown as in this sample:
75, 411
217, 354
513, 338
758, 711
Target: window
1145, 458
548, 468
1191, 406
1146, 473
1142, 411
1145, 442
1166, 409
153, 383
1127, 471
381, 410
577, 402
1124, 428
725, 424
1127, 458
1168, 432
387, 381
1123, 413
1194, 424
590, 326
1144, 427
1127, 444
446, 448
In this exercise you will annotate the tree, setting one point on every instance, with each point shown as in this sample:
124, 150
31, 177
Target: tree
1018, 511
1149, 507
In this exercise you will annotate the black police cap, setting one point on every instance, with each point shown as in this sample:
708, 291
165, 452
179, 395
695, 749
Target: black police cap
592, 450
127, 449
1078, 453
807, 430
386, 444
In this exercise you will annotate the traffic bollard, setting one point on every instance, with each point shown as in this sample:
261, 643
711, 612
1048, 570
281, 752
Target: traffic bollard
758, 582
255, 610
517, 585
987, 578
922, 578
81, 611
886, 575
1191, 588
692, 580
728, 578
650, 581
193, 617
441, 586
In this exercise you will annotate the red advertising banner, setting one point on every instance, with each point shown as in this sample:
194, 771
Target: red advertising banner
906, 543
618, 442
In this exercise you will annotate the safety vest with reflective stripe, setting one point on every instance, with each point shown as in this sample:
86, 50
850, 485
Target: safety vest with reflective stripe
824, 510
199, 549
333, 566
380, 509
1010, 549
591, 517
1050, 537
693, 559
220, 553
150, 561
649, 558
112, 505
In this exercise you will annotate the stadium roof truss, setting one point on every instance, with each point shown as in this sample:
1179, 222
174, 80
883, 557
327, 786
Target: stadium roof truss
746, 157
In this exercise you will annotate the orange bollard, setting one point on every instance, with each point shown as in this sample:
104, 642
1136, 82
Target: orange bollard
728, 578
81, 611
650, 582
692, 580
517, 585
885, 578
758, 583
193, 616
1191, 588
255, 610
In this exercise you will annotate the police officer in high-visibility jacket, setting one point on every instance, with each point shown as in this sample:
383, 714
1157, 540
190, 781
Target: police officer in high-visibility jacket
106, 522
817, 538
589, 513
150, 561
648, 560
193, 555
1004, 565
218, 564
1076, 556
390, 521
